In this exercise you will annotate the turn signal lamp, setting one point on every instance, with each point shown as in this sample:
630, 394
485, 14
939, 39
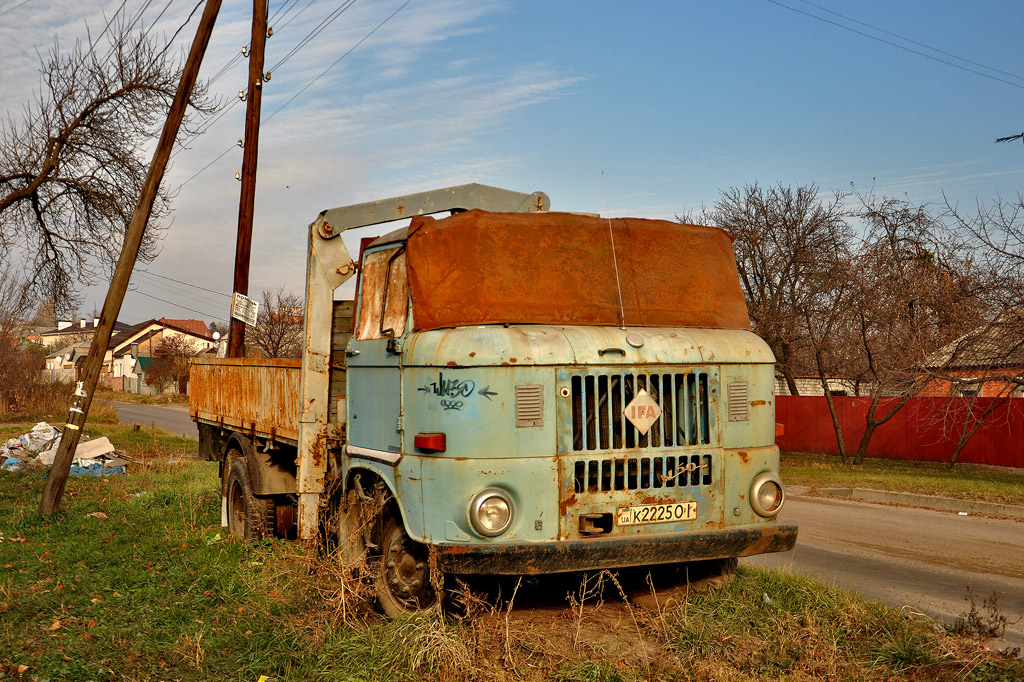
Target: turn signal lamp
430, 441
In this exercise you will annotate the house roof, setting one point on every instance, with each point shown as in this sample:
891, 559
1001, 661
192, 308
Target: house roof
998, 344
75, 329
139, 333
196, 327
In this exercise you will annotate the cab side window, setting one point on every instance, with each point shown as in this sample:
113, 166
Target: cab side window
385, 296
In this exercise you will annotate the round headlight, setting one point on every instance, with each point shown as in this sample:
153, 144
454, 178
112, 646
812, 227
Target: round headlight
766, 494
490, 512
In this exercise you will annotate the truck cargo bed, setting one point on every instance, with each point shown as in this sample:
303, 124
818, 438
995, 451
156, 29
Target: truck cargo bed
259, 397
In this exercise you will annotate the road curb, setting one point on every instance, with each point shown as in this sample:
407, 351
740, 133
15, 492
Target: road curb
914, 500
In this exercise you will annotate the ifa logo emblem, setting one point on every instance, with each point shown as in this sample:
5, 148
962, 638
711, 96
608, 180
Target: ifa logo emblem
642, 411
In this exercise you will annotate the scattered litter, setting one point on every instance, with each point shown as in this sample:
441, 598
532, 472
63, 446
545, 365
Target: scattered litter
139, 494
963, 513
96, 515
766, 599
36, 450
213, 539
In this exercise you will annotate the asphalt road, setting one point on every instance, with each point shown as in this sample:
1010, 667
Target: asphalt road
171, 419
907, 557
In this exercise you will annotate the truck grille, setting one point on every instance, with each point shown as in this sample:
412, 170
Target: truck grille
639, 473
598, 400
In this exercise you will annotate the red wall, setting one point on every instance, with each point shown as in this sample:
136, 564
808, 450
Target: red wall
924, 429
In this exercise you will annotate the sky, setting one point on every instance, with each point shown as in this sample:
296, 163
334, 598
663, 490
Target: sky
646, 109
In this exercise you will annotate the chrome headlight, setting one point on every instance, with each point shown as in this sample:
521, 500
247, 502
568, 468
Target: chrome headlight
490, 512
766, 494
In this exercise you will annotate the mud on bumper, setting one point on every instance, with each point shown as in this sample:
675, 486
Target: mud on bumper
525, 558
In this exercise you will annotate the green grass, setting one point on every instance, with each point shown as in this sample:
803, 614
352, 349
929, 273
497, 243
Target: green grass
130, 580
965, 481
142, 399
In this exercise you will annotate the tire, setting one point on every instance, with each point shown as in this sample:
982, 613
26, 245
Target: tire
403, 576
342, 529
246, 514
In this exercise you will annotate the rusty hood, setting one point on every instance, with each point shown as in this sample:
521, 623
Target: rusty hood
479, 267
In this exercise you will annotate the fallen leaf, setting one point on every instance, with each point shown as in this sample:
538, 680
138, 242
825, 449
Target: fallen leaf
22, 668
91, 624
54, 626
95, 600
44, 555
117, 594
17, 539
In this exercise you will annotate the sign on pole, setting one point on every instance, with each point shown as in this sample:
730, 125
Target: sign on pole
244, 308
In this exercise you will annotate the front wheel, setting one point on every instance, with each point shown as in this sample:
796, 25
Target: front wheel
403, 577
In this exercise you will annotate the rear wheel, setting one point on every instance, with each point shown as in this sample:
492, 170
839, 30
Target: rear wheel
246, 514
403, 577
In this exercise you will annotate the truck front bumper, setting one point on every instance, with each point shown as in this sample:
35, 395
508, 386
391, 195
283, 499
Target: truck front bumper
527, 558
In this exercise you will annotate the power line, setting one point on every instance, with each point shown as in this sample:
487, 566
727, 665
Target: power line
215, 316
180, 28
173, 289
306, 87
317, 30
194, 286
11, 9
914, 42
896, 45
338, 60
106, 28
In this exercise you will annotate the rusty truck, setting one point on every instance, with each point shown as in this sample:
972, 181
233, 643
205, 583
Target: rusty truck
512, 391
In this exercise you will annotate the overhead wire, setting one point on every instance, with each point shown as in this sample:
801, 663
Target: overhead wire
912, 41
178, 305
317, 30
176, 290
171, 279
896, 45
304, 88
11, 9
206, 126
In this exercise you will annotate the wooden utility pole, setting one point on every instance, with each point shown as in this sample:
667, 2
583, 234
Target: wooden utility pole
247, 200
125, 264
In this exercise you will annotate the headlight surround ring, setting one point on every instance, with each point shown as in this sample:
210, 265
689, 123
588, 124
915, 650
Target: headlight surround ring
491, 512
767, 494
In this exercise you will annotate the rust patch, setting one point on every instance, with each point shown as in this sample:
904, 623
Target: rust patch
452, 363
658, 499
512, 360
756, 403
472, 354
563, 506
401, 209
744, 456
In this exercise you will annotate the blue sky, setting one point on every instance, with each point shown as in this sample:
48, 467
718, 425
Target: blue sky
671, 101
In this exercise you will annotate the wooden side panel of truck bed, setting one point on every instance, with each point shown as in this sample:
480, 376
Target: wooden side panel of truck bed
260, 397
250, 395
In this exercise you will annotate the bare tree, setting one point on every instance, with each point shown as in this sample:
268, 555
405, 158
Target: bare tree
278, 330
172, 362
785, 239
72, 168
913, 289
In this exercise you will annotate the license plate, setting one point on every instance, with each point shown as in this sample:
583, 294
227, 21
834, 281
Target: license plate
656, 513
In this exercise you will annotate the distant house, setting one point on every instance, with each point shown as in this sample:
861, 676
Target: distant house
811, 385
131, 351
67, 334
986, 362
